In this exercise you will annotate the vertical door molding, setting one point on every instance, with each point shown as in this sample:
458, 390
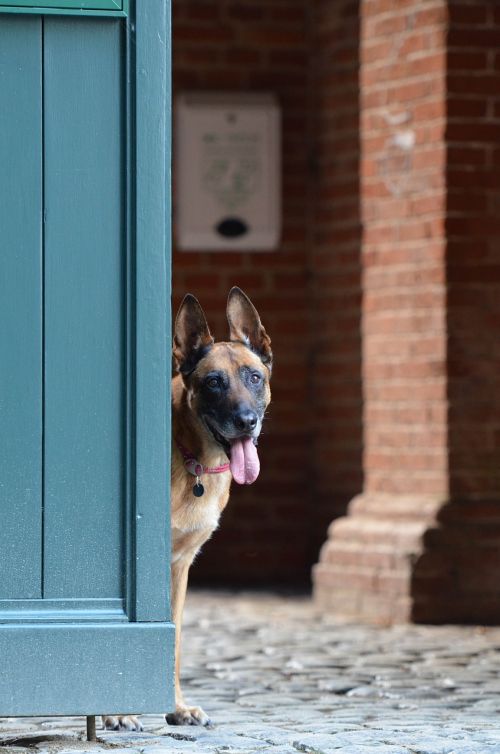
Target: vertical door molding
151, 254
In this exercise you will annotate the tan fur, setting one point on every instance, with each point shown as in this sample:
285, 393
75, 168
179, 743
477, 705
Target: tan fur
195, 519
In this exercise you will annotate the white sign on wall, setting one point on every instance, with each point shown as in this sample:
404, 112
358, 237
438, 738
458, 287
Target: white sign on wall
228, 171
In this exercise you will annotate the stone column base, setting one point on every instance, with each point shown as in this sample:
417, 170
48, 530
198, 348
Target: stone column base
422, 559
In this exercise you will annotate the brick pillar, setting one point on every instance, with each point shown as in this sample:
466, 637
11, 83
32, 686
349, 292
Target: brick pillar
467, 542
421, 541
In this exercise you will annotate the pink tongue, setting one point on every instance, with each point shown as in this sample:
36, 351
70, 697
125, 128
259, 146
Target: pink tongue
245, 465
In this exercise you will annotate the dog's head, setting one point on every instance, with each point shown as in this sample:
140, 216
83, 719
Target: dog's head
228, 382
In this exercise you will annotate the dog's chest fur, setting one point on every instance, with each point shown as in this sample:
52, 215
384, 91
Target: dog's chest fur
194, 519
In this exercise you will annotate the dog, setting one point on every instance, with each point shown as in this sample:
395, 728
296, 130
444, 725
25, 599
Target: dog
219, 397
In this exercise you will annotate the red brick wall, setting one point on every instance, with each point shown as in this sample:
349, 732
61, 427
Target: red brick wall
261, 45
458, 576
421, 542
473, 226
403, 80
466, 583
383, 300
335, 263
366, 566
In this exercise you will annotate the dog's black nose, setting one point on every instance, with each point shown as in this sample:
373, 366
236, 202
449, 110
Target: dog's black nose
245, 420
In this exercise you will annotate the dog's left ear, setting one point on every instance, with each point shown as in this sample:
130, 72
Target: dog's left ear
245, 326
192, 338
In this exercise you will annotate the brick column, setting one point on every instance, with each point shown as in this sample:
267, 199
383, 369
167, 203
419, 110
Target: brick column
468, 538
421, 541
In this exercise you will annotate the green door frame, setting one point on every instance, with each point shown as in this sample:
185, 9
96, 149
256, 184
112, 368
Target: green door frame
114, 8
71, 657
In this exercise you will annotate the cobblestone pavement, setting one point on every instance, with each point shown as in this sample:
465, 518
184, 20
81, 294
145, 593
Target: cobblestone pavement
275, 677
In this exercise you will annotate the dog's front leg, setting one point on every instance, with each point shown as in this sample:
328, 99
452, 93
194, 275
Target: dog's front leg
183, 714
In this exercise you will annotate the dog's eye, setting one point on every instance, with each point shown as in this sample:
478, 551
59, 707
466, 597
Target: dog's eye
255, 378
212, 382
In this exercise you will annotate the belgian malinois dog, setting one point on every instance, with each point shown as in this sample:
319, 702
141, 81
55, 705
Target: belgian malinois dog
219, 398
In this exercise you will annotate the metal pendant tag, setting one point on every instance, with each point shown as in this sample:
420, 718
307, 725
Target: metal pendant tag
198, 488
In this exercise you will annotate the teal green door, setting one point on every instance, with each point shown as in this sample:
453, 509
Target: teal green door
84, 358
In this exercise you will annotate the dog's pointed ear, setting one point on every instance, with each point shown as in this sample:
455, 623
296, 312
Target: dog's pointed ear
192, 338
245, 326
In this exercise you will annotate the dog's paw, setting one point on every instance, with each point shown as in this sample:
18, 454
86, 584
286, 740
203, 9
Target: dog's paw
188, 716
122, 722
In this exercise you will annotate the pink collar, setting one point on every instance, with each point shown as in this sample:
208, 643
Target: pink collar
194, 467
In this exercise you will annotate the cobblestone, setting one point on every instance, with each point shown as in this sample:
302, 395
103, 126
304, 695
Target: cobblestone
275, 676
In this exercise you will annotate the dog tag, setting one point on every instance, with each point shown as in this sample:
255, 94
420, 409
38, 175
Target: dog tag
198, 488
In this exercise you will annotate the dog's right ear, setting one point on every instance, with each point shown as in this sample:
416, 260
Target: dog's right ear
245, 326
192, 338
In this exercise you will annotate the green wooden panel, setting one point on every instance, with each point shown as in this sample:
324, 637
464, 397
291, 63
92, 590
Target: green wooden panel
151, 243
72, 610
84, 309
63, 7
66, 4
20, 299
86, 669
